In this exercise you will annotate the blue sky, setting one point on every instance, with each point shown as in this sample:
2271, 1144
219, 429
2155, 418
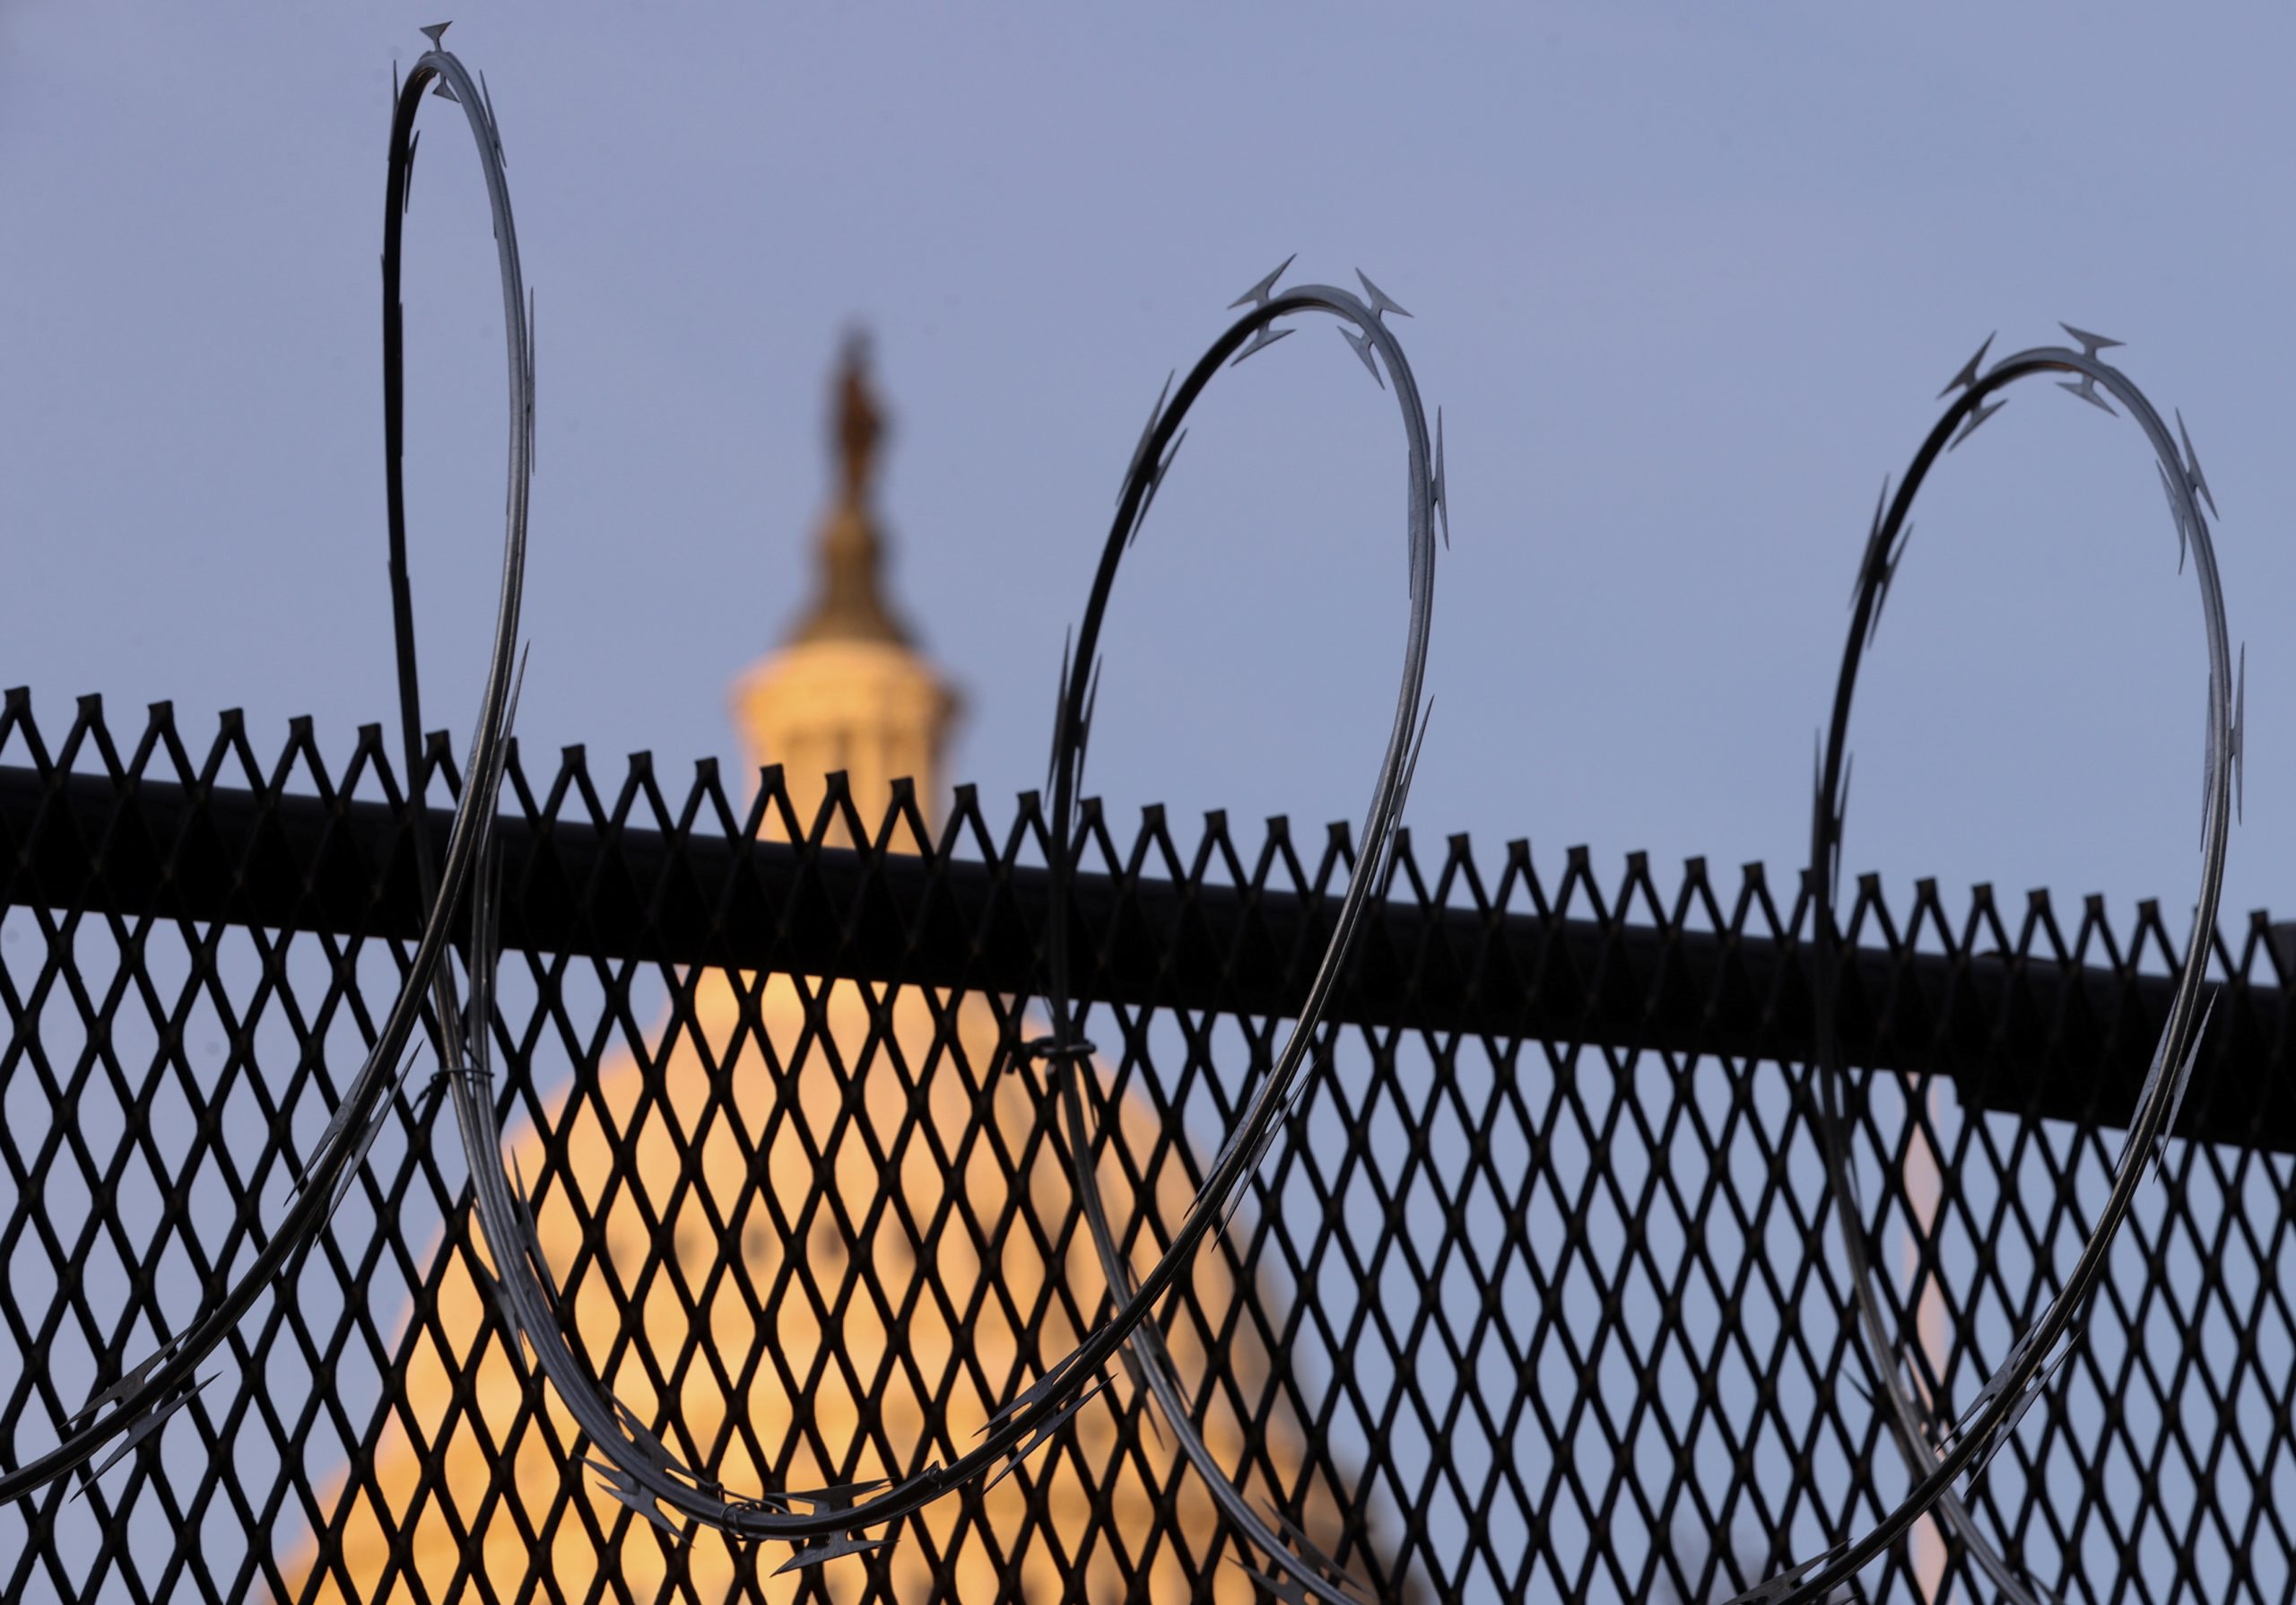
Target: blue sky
1686, 281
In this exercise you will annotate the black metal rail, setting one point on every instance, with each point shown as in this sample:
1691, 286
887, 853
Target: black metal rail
2012, 1030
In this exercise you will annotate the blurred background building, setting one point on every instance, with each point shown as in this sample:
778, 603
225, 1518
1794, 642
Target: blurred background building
807, 1231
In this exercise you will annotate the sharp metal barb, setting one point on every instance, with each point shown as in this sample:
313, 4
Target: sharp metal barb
830, 1549
493, 129
1091, 703
1259, 294
2091, 344
414, 144
2208, 760
1381, 302
130, 1379
1268, 336
1442, 503
1156, 480
1363, 344
1418, 741
2175, 512
2085, 388
2037, 1385
2193, 475
2184, 1084
2153, 1075
1983, 411
1138, 1374
1889, 577
1873, 540
1035, 1394
1140, 451
436, 33
841, 1495
1305, 1548
2240, 739
446, 92
1059, 712
625, 1487
154, 1420
1968, 376
1042, 1432
649, 1443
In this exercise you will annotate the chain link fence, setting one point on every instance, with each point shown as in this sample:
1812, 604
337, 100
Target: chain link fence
1537, 1298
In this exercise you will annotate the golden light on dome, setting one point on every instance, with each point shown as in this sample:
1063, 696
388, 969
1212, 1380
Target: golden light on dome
819, 1229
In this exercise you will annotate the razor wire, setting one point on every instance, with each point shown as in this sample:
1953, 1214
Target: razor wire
1936, 1459
637, 1469
1306, 1571
137, 1403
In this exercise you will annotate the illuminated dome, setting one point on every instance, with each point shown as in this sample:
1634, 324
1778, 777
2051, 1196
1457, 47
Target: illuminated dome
865, 1213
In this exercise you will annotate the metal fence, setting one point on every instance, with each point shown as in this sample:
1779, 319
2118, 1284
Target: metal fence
1536, 1298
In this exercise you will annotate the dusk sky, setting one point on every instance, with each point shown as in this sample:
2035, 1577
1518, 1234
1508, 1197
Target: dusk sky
1686, 280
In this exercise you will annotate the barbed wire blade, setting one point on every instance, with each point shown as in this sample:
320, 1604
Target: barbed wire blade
1888, 577
493, 129
830, 1549
624, 1488
2208, 756
1259, 294
2241, 738
1967, 378
436, 33
2144, 1093
1363, 344
2193, 475
1147, 430
1969, 425
2091, 344
2034, 1388
1268, 336
841, 1495
1304, 1547
2176, 513
446, 92
1042, 1432
2085, 388
1873, 540
1138, 1374
1036, 1394
1410, 773
413, 144
130, 1381
1059, 709
1381, 302
154, 1420
2184, 1086
1155, 484
1440, 501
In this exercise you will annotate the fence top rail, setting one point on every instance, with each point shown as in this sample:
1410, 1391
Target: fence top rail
2022, 1010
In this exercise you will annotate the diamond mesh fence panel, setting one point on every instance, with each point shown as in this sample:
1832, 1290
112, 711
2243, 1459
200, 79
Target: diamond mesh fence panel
1538, 1296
